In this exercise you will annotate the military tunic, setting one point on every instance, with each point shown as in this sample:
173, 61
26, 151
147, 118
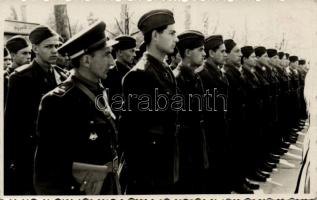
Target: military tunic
191, 135
71, 129
148, 131
26, 87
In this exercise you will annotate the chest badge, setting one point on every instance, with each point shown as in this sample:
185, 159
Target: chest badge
93, 136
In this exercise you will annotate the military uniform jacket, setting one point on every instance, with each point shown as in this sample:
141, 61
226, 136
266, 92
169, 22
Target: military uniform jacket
113, 82
216, 122
26, 87
148, 131
71, 129
191, 136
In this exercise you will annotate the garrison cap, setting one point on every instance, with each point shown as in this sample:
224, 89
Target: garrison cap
230, 44
41, 33
247, 51
302, 62
5, 52
280, 54
155, 19
16, 43
190, 39
88, 40
271, 52
124, 42
259, 51
293, 58
287, 55
213, 41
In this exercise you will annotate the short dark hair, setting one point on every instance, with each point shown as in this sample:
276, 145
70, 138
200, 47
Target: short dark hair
148, 35
76, 61
214, 49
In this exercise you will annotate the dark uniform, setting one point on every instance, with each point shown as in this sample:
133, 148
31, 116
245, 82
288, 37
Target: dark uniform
216, 123
113, 82
72, 129
191, 135
14, 44
148, 137
147, 131
27, 85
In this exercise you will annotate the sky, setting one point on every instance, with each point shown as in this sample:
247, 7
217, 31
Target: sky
252, 22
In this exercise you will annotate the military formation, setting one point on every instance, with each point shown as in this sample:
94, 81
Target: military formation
182, 114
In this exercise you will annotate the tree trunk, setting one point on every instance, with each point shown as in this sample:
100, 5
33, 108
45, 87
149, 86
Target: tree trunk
62, 21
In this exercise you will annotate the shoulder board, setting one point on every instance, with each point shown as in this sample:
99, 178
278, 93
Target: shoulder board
199, 69
25, 67
63, 88
142, 64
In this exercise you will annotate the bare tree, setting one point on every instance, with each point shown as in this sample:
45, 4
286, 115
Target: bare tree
187, 17
62, 21
13, 14
205, 23
23, 13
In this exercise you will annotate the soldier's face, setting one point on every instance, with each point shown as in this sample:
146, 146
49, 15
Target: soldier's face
285, 61
197, 56
23, 56
263, 59
220, 55
7, 62
47, 50
101, 61
251, 61
127, 55
274, 60
166, 41
235, 56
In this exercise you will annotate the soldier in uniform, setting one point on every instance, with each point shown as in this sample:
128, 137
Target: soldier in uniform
263, 74
216, 124
253, 114
148, 131
237, 96
76, 152
191, 135
20, 51
125, 53
27, 85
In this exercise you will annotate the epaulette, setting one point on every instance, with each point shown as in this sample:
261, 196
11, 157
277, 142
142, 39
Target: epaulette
142, 65
63, 88
199, 69
25, 67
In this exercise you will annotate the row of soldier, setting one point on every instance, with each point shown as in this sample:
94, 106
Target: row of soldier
67, 140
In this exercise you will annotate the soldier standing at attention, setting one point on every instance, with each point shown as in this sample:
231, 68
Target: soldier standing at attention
27, 85
191, 136
124, 51
237, 118
148, 131
80, 157
216, 83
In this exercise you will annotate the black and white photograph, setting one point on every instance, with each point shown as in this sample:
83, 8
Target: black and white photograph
191, 99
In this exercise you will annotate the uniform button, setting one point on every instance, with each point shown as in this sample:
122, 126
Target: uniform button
154, 142
168, 92
72, 187
91, 122
31, 136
